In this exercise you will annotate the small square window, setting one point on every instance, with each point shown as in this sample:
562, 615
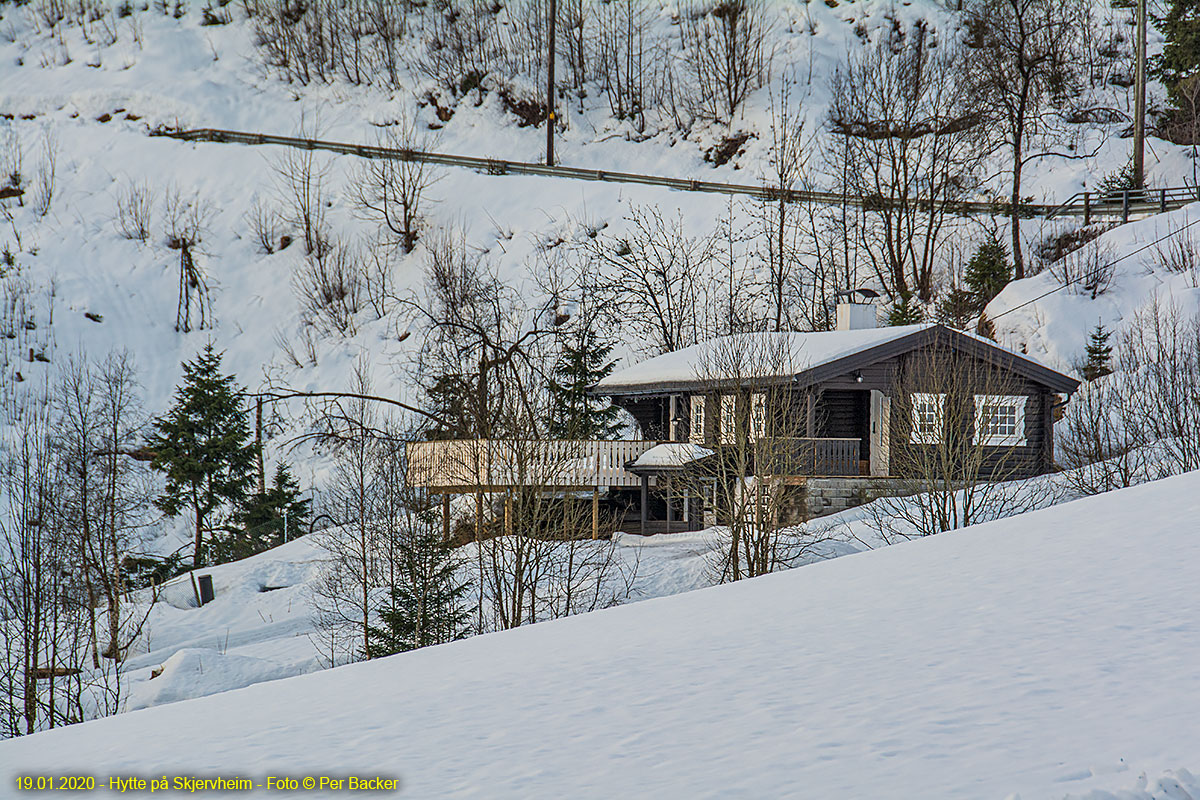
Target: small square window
758, 415
1000, 420
696, 432
728, 419
928, 417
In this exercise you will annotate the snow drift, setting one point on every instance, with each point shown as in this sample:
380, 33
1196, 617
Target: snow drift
1045, 655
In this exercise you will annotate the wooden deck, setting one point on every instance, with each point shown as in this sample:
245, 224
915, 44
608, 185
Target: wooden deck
474, 464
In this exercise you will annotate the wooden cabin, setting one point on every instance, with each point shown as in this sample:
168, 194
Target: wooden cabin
860, 405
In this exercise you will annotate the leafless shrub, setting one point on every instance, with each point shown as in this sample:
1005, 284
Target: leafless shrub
1105, 441
264, 224
629, 66
1179, 254
1159, 354
462, 46
135, 203
390, 191
725, 53
45, 179
1142, 422
1062, 243
186, 219
300, 180
12, 158
1088, 270
50, 12
329, 284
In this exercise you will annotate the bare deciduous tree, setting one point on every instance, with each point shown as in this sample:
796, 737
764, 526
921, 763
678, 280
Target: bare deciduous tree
1023, 56
391, 191
725, 51
187, 219
758, 436
909, 132
656, 272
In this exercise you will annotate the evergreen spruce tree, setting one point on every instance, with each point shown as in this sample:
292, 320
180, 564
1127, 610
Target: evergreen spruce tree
905, 312
1180, 56
262, 518
425, 606
574, 413
987, 272
450, 400
203, 448
1098, 361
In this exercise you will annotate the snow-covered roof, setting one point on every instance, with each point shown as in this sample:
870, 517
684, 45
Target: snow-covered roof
765, 356
670, 455
753, 355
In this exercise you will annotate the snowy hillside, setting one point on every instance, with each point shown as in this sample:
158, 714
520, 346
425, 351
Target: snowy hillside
1045, 657
96, 91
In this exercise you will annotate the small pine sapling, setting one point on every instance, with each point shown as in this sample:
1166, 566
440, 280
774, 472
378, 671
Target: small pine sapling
988, 272
425, 604
1098, 355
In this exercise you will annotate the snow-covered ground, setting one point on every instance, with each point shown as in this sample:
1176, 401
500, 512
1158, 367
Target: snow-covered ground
1051, 655
261, 624
1040, 316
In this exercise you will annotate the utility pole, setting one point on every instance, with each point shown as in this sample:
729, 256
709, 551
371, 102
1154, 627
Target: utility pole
550, 87
1139, 112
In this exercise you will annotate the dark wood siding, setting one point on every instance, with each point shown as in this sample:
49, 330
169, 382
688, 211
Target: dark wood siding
842, 408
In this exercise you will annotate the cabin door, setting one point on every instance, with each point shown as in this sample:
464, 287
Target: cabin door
881, 423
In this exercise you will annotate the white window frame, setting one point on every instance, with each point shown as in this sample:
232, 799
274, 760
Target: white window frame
696, 420
919, 435
996, 439
728, 420
758, 415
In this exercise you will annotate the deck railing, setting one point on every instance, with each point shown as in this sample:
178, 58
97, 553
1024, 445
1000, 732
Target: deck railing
482, 463
800, 455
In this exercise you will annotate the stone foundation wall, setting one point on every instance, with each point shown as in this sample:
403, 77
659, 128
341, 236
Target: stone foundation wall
821, 497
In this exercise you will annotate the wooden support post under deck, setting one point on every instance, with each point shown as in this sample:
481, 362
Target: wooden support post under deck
446, 517
595, 512
507, 514
645, 500
478, 517
668, 499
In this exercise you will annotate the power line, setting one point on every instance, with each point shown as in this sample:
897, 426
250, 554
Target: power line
1113, 263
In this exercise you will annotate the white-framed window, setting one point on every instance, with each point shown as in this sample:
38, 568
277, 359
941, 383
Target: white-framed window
1000, 420
928, 418
758, 415
728, 418
696, 429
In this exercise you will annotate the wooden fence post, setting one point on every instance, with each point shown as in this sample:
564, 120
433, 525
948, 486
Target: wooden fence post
1087, 208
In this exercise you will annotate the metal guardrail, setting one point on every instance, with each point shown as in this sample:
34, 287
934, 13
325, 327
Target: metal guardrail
1125, 203
1079, 205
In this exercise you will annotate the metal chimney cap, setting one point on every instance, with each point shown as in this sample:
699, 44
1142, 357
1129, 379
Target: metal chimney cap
861, 295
